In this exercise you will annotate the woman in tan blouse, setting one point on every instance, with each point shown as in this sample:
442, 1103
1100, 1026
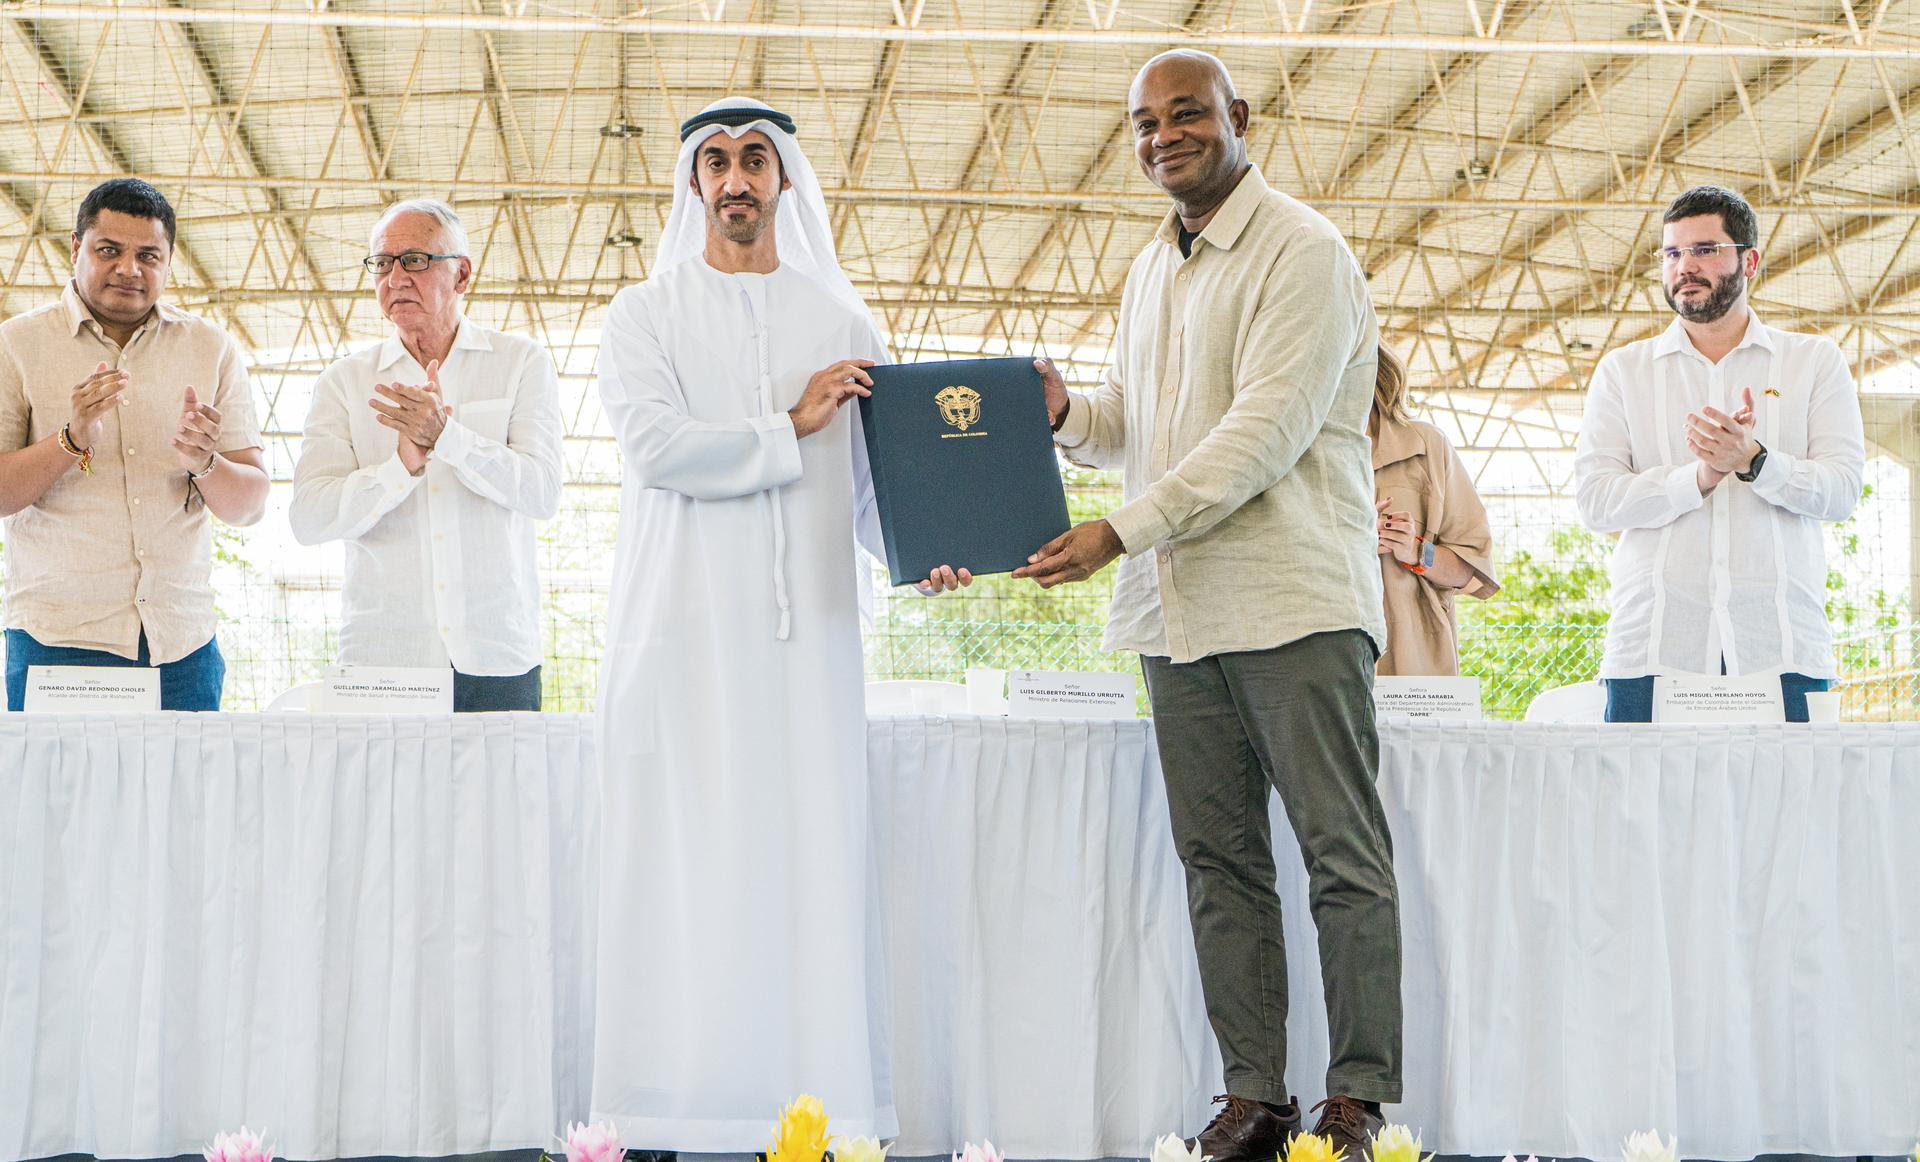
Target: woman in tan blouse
1434, 540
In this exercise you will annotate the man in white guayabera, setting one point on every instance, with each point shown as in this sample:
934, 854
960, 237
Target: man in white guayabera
1716, 449
432, 455
733, 937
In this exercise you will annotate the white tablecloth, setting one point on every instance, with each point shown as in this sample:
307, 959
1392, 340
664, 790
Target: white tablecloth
372, 935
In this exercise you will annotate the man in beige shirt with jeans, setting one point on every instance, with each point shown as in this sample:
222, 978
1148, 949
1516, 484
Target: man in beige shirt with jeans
1237, 410
123, 423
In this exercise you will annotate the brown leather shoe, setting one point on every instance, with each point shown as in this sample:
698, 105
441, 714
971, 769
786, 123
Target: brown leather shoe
1349, 1125
1245, 1130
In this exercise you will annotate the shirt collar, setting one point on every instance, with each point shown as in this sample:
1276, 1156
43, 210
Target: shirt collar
1674, 340
1396, 441
466, 337
1230, 220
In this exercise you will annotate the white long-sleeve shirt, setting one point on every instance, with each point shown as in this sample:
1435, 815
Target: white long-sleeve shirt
1737, 576
441, 566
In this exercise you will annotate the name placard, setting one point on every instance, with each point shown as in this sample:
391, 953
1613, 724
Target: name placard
386, 690
112, 689
1718, 698
1427, 697
1048, 694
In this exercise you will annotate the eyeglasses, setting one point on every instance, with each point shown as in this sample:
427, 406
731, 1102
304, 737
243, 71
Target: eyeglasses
1703, 252
413, 261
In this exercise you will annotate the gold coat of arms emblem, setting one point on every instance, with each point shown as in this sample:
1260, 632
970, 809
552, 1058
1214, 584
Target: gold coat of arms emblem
959, 406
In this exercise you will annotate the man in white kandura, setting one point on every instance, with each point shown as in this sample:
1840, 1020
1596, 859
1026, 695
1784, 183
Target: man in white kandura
432, 455
734, 967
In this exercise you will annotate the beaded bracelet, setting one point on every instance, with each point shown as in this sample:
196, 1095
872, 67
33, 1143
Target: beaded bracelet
73, 449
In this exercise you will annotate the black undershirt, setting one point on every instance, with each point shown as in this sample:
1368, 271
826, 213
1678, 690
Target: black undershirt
1186, 240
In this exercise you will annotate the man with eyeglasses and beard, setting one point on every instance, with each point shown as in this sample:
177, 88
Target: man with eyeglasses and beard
1715, 450
432, 455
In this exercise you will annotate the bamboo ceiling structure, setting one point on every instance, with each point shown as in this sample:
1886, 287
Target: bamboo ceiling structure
1498, 165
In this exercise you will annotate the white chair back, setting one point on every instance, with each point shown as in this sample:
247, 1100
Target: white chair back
1578, 702
295, 698
916, 697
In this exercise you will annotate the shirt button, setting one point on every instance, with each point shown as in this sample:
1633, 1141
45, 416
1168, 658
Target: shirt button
139, 552
129, 451
136, 500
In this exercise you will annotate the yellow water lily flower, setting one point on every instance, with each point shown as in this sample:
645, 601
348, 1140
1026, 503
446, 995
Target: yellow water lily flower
1311, 1148
858, 1150
802, 1133
1396, 1143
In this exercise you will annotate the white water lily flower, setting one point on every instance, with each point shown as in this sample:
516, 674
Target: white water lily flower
1173, 1148
1646, 1146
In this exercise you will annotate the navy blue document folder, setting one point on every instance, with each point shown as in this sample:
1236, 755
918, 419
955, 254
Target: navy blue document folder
963, 465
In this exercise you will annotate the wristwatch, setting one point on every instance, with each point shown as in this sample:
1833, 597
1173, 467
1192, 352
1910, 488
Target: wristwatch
1753, 467
1424, 561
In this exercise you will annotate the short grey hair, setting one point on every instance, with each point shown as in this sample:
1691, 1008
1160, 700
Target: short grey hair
450, 227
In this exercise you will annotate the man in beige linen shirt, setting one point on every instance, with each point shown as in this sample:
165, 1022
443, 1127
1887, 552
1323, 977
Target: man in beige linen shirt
123, 422
1237, 409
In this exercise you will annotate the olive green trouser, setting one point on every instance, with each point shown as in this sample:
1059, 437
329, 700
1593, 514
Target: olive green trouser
1299, 719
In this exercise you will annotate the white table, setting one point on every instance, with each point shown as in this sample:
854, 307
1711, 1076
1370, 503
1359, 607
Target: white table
374, 936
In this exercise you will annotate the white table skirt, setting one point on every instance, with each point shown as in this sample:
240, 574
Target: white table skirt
373, 936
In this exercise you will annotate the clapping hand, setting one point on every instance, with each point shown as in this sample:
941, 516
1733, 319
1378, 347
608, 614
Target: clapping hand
93, 397
1724, 442
196, 441
417, 414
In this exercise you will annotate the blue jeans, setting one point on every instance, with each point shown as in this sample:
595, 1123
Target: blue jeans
1631, 699
192, 683
477, 693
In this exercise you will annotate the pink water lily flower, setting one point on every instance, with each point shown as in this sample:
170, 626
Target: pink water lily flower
973, 1153
243, 1145
599, 1142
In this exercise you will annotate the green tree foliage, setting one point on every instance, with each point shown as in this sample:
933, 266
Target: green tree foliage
1545, 627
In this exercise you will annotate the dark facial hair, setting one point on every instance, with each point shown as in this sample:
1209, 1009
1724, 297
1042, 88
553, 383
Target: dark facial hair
1720, 298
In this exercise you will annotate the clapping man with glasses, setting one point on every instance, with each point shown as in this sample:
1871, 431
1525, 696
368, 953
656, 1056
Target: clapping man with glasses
431, 455
1716, 449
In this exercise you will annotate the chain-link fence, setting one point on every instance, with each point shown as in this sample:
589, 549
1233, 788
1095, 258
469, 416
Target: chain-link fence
279, 629
280, 606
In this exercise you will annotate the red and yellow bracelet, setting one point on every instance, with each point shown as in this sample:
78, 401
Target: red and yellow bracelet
67, 445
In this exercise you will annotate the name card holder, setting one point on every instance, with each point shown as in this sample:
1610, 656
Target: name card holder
386, 690
1049, 694
92, 689
1451, 698
1718, 698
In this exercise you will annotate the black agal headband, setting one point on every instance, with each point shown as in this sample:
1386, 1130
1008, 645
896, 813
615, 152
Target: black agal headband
746, 116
